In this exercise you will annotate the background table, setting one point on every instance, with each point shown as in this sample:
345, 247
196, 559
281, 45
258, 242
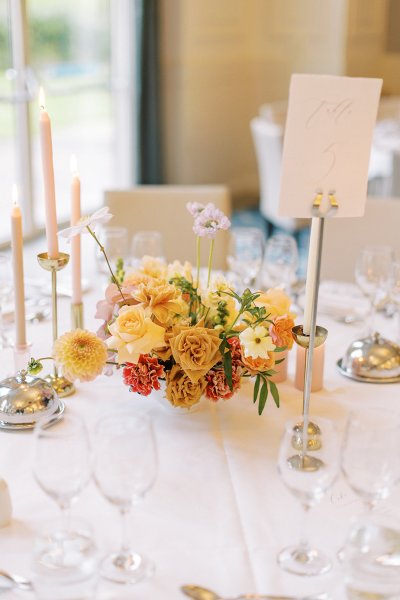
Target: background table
218, 513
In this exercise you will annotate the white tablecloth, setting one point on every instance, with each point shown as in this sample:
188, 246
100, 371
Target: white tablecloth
218, 513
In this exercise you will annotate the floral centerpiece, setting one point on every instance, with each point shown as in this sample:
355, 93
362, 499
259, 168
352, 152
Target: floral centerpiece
160, 322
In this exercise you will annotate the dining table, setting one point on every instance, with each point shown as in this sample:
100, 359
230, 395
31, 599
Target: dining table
218, 513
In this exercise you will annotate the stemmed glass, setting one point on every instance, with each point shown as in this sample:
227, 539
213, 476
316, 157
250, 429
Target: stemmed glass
115, 243
281, 260
146, 243
5, 289
62, 466
245, 254
125, 469
370, 454
372, 273
308, 465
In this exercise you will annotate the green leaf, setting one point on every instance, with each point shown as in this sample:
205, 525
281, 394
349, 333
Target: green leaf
227, 360
263, 397
277, 362
274, 392
256, 388
280, 348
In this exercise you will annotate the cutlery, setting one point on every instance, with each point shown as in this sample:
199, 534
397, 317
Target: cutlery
17, 580
199, 593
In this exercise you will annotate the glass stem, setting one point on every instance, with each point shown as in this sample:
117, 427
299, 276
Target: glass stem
303, 543
125, 544
66, 515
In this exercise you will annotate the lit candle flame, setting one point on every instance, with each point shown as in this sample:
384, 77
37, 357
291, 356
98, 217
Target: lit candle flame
14, 194
42, 98
73, 163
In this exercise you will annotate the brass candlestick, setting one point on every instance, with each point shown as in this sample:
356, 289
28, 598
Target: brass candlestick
60, 384
77, 316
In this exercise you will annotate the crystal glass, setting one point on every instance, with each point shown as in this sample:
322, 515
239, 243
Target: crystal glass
5, 290
370, 454
308, 465
125, 469
395, 292
62, 464
281, 260
372, 273
115, 243
146, 243
245, 255
64, 566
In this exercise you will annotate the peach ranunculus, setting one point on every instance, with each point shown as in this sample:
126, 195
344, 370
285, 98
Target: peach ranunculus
181, 390
163, 300
154, 267
276, 302
255, 365
134, 333
196, 350
281, 331
135, 278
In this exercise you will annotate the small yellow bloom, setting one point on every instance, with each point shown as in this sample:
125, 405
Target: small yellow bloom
80, 354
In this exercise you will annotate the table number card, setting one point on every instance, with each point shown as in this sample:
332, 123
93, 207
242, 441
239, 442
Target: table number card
327, 144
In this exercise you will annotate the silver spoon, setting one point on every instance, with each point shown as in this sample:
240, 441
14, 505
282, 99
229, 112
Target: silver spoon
199, 593
17, 580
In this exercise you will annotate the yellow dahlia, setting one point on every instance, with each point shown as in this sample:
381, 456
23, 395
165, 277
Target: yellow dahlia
80, 354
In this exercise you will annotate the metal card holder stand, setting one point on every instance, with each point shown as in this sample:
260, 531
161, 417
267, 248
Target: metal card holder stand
306, 435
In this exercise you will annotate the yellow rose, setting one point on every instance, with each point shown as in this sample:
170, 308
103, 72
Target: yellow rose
181, 390
134, 333
276, 302
196, 350
163, 300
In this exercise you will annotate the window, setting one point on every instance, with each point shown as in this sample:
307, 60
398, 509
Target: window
72, 50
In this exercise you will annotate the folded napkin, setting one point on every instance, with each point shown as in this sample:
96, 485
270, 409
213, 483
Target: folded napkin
339, 299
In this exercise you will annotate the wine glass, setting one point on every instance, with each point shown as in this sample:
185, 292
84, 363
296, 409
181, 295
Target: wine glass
115, 243
125, 469
146, 243
245, 254
308, 475
62, 464
370, 454
5, 289
281, 260
372, 273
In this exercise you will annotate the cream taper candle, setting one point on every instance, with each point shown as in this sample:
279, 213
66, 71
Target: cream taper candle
76, 240
48, 179
18, 271
312, 263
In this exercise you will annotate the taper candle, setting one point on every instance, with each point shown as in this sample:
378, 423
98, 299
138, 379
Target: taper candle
18, 271
48, 178
76, 240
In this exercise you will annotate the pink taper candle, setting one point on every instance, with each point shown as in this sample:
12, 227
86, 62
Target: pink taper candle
76, 241
48, 179
18, 271
317, 379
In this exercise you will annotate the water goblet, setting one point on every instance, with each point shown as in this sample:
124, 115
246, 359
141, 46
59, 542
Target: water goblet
5, 289
308, 465
62, 466
372, 274
146, 243
245, 254
115, 243
125, 469
370, 454
281, 260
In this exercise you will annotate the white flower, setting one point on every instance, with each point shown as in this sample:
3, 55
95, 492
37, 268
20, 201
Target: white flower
256, 342
100, 217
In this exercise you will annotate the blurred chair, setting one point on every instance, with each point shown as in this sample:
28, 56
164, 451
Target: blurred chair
344, 238
268, 142
163, 208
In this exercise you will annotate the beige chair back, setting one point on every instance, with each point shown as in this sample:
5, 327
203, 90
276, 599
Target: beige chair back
163, 208
344, 238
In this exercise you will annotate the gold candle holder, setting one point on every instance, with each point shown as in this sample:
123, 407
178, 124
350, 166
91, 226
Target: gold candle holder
77, 316
60, 384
